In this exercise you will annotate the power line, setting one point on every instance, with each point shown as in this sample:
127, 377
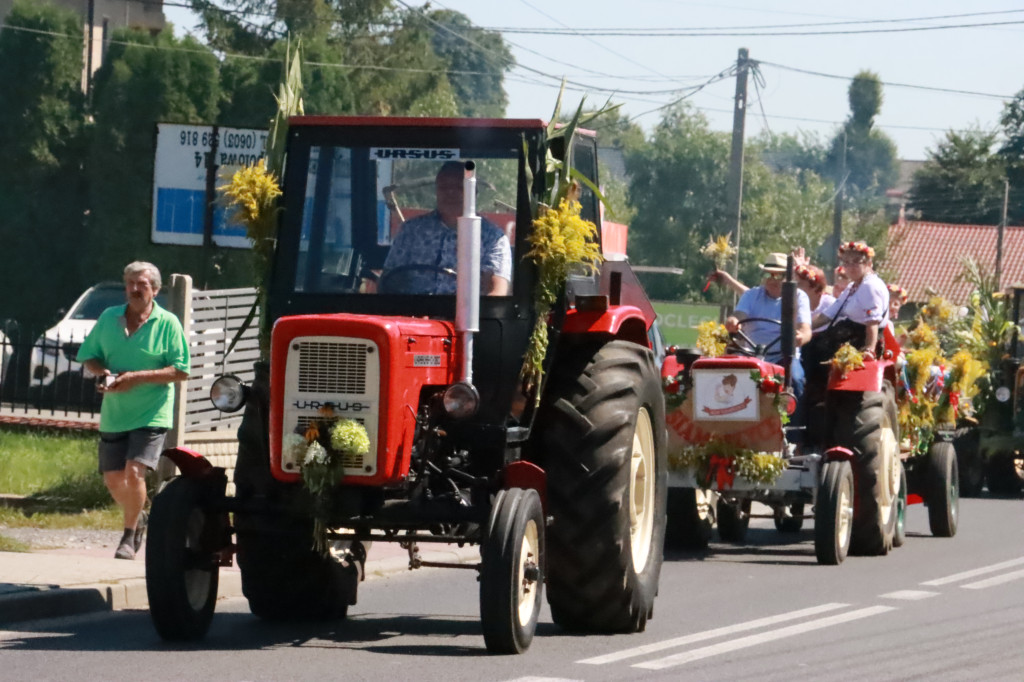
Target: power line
737, 33
662, 30
895, 85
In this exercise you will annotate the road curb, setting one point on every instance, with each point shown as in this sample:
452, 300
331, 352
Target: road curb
36, 603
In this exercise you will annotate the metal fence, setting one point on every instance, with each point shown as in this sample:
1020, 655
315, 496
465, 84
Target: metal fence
40, 377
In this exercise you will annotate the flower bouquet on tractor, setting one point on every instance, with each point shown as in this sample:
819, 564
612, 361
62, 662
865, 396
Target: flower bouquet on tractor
732, 442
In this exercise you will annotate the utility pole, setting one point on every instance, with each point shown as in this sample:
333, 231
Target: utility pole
837, 211
999, 236
734, 187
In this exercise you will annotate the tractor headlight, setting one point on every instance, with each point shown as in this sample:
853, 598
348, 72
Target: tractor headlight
461, 400
1003, 394
228, 393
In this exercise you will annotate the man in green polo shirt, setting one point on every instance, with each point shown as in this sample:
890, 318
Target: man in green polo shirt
136, 351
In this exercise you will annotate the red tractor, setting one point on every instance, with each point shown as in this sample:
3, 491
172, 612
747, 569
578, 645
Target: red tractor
730, 445
562, 484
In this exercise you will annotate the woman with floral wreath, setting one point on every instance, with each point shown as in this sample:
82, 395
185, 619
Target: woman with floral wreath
897, 297
811, 280
863, 307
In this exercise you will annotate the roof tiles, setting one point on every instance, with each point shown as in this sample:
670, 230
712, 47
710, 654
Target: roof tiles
929, 255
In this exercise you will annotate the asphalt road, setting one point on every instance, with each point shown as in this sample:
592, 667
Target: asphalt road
935, 609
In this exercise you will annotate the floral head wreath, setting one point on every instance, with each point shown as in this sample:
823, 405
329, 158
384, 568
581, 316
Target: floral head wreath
898, 292
857, 247
811, 275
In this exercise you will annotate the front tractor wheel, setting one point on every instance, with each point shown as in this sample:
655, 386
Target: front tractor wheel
863, 423
942, 490
512, 571
181, 569
603, 447
833, 513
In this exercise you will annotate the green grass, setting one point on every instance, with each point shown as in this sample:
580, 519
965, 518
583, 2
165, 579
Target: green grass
12, 545
56, 469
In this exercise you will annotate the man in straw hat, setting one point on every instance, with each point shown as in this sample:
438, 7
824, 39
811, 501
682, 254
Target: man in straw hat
765, 301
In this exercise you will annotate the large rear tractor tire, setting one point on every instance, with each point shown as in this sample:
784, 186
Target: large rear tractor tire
863, 423
792, 523
285, 579
181, 570
833, 513
733, 520
969, 461
691, 518
942, 490
603, 445
512, 571
1005, 473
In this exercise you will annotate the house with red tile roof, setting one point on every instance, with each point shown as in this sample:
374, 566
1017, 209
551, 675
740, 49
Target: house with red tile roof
923, 257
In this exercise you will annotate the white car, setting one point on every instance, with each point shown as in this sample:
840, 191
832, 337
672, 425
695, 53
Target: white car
53, 364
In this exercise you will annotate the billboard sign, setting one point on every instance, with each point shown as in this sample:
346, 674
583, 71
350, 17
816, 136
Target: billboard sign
180, 186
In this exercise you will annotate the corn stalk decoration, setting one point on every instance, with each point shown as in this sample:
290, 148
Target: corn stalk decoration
562, 243
254, 190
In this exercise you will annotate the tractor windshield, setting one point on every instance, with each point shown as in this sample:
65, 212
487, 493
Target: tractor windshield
381, 220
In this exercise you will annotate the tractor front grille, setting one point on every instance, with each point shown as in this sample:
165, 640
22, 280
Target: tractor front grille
331, 367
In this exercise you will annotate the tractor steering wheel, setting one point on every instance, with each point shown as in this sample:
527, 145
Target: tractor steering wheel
398, 280
745, 346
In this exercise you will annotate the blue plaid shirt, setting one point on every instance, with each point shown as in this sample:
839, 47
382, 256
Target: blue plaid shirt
426, 240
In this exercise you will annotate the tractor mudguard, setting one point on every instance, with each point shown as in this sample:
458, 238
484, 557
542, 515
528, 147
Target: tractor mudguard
623, 322
867, 378
191, 464
527, 475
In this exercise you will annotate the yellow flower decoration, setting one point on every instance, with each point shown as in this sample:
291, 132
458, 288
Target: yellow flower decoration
847, 359
712, 338
562, 243
719, 250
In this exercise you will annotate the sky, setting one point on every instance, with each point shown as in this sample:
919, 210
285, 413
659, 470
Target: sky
801, 81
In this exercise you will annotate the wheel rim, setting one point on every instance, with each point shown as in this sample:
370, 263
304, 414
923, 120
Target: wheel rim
704, 503
526, 575
641, 491
197, 580
954, 490
845, 515
889, 450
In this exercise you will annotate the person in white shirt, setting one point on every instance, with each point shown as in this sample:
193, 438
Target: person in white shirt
811, 280
864, 302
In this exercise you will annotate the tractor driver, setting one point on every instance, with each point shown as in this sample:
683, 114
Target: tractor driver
765, 301
425, 247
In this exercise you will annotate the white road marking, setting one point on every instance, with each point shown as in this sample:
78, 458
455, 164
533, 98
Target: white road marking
754, 640
543, 679
909, 595
711, 634
997, 580
956, 577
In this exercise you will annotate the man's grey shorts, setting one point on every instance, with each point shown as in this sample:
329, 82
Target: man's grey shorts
143, 445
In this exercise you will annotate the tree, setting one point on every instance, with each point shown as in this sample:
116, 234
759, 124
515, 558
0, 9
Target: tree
1012, 153
787, 152
870, 166
42, 134
677, 188
962, 180
477, 61
146, 80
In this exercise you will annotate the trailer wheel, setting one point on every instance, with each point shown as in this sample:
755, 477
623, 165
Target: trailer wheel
512, 571
833, 513
863, 423
691, 517
602, 435
792, 523
181, 573
969, 462
733, 520
900, 536
942, 490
